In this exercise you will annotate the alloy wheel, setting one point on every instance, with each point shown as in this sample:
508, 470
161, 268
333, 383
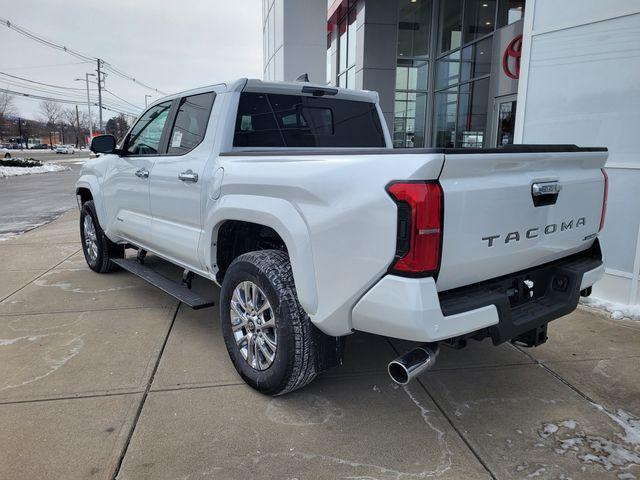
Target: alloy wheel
90, 238
254, 325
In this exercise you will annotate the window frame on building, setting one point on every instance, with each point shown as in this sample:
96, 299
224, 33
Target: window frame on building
347, 47
472, 82
414, 98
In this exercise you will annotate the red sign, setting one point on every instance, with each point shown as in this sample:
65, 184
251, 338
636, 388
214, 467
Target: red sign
513, 50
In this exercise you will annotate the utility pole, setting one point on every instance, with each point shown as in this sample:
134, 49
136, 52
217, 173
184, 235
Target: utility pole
20, 129
86, 79
100, 94
145, 100
78, 129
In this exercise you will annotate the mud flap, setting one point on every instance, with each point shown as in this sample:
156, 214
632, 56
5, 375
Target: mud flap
329, 350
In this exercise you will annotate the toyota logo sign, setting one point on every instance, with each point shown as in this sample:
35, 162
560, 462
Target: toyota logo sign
513, 50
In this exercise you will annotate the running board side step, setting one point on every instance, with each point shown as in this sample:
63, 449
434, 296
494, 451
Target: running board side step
177, 290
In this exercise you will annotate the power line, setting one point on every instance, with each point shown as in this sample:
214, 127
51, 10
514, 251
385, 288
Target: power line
44, 84
64, 95
51, 65
77, 97
72, 95
121, 74
50, 43
120, 98
67, 101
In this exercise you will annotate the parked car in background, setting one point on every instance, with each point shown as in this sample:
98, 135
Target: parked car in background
65, 149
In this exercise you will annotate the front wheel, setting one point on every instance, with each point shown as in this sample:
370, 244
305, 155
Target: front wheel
98, 249
268, 335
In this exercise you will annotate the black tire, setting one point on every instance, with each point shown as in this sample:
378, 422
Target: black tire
106, 249
294, 365
7, 155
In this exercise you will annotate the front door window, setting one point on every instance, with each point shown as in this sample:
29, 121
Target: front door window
145, 135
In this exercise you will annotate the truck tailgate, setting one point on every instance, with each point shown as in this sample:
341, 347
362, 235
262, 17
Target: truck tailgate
502, 214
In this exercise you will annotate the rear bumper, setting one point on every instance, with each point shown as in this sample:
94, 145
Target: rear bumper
502, 308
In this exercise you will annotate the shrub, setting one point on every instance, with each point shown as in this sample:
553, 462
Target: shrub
20, 162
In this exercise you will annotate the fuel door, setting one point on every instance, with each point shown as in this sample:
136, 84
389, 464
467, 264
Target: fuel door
216, 184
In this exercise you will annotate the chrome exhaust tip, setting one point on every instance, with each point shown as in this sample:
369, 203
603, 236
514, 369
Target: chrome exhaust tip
408, 366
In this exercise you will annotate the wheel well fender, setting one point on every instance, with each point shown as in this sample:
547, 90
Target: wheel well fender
278, 216
87, 188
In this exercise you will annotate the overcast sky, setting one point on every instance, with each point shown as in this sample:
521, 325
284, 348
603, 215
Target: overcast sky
170, 45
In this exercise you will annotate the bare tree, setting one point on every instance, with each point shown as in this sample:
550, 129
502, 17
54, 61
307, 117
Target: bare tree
7, 107
51, 113
117, 126
69, 117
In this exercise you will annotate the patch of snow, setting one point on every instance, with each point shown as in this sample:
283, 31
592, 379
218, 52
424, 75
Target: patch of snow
626, 476
570, 424
629, 423
596, 449
548, 430
537, 473
617, 311
16, 171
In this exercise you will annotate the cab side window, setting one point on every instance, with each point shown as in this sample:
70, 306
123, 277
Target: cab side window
146, 134
191, 123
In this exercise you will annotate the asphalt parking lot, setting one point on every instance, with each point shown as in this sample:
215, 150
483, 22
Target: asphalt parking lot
28, 201
103, 376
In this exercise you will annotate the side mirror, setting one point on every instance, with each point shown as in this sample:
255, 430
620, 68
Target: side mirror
103, 144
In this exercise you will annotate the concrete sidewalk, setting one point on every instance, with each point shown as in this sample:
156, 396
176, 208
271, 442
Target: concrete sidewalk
102, 376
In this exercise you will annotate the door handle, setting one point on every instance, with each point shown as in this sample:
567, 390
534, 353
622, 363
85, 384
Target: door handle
142, 173
188, 176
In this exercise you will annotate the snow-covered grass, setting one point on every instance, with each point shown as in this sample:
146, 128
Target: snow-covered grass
617, 311
15, 171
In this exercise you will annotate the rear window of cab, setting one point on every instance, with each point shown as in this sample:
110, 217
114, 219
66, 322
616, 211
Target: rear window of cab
276, 120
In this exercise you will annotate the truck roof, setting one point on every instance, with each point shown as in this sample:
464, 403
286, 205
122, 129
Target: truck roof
257, 85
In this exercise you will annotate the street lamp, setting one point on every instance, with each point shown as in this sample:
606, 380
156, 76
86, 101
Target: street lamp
86, 78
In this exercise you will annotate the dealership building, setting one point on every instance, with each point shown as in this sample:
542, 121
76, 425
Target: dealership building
486, 73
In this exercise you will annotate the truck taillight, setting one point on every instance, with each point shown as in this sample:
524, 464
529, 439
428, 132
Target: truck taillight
419, 236
604, 198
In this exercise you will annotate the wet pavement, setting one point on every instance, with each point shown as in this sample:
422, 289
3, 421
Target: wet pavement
28, 201
103, 376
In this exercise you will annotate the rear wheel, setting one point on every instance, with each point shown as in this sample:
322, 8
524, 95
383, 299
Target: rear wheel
268, 335
97, 248
7, 155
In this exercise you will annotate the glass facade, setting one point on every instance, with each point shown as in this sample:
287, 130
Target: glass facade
455, 67
410, 111
510, 11
347, 49
462, 96
412, 73
443, 68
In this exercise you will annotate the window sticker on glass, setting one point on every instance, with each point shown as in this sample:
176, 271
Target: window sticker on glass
176, 141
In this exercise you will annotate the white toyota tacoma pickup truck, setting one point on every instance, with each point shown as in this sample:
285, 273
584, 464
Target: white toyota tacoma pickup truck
290, 197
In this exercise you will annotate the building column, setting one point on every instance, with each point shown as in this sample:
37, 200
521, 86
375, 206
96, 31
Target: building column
377, 38
295, 39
